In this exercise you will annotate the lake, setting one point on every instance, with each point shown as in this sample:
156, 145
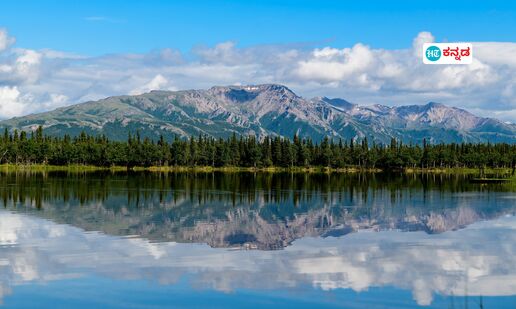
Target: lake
219, 240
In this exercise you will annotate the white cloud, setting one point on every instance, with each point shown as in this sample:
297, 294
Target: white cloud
222, 53
21, 66
27, 65
157, 83
5, 40
329, 64
359, 73
419, 41
499, 53
11, 102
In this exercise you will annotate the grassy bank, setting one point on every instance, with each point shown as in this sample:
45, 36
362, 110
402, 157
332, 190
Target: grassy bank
233, 169
48, 168
461, 170
229, 169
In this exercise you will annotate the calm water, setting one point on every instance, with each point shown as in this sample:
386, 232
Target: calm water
118, 240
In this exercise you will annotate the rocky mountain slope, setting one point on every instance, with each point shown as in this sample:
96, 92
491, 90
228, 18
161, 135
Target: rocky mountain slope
261, 110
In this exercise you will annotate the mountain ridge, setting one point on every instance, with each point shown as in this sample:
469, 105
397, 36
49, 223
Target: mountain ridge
266, 109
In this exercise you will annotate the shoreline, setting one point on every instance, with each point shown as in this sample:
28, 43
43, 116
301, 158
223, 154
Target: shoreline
233, 169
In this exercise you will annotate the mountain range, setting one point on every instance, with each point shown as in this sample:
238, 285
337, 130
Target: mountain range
261, 110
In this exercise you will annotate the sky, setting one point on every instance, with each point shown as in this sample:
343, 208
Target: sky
56, 53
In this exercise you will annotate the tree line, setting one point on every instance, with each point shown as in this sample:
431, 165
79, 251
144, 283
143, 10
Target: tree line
37, 148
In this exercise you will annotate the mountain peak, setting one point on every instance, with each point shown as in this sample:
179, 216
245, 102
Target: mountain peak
416, 108
435, 105
247, 93
439, 115
253, 88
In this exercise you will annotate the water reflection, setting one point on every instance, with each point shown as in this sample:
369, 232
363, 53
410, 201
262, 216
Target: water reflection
478, 260
162, 227
263, 211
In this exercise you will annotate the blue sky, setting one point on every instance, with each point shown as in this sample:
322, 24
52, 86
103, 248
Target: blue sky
57, 53
102, 27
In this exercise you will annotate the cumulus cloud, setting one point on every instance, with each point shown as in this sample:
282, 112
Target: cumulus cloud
330, 64
358, 73
20, 66
15, 103
11, 102
5, 40
419, 41
157, 83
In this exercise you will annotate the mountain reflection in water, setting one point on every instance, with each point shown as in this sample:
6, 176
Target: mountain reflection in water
161, 227
264, 211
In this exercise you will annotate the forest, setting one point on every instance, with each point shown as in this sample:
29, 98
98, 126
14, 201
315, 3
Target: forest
37, 148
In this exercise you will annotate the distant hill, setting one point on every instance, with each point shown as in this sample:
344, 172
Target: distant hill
261, 110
